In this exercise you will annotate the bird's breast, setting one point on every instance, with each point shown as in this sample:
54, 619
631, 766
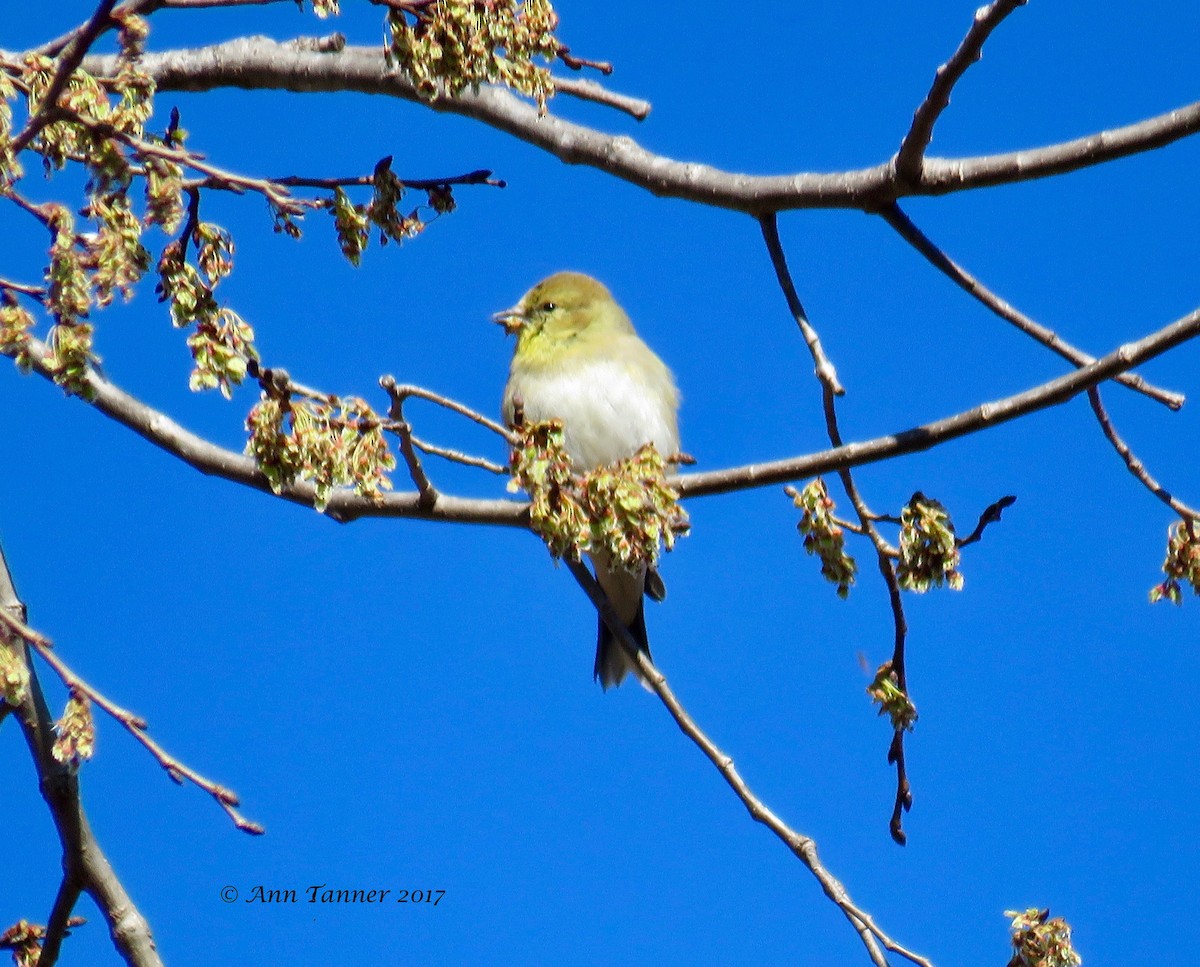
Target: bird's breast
609, 409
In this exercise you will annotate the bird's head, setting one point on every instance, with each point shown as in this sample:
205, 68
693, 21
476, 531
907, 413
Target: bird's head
559, 310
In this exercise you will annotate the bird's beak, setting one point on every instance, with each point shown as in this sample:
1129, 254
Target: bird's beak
511, 319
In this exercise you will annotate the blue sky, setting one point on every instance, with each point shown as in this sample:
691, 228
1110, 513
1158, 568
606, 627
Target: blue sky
410, 706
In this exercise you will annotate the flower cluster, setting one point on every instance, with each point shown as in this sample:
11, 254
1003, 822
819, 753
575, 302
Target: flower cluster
1039, 941
928, 549
885, 691
823, 536
331, 443
624, 511
1182, 563
451, 45
76, 732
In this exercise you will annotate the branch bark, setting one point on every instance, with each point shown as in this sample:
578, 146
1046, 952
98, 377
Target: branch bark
85, 867
345, 506
804, 847
265, 64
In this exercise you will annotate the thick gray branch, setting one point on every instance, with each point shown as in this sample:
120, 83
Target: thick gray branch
344, 505
262, 63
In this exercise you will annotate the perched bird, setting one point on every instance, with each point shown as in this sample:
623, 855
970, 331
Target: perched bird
578, 360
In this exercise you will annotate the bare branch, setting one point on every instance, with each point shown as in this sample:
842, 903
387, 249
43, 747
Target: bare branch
85, 867
344, 506
427, 494
804, 848
403, 391
36, 291
1051, 393
831, 389
479, 177
912, 149
456, 456
907, 230
1135, 465
991, 513
135, 725
586, 90
262, 63
825, 370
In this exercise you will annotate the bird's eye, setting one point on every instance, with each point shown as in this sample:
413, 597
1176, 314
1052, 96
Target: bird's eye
548, 307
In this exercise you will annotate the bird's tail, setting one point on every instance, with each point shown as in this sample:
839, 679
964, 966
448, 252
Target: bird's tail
612, 663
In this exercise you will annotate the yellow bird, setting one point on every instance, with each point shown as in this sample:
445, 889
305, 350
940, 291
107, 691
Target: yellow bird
579, 360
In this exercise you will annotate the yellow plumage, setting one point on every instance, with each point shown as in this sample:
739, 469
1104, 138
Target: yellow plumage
579, 360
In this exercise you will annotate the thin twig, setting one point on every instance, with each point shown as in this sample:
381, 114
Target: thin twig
456, 456
266, 64
907, 230
1132, 461
802, 846
990, 515
912, 149
134, 724
481, 176
68, 62
831, 389
427, 493
825, 370
403, 391
36, 291
588, 90
579, 63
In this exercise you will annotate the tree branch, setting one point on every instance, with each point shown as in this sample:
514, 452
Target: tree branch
1051, 393
85, 867
831, 389
823, 368
72, 56
910, 157
135, 725
804, 847
1135, 465
344, 506
991, 514
261, 63
904, 226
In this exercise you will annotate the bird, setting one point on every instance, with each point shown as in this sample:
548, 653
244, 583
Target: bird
579, 360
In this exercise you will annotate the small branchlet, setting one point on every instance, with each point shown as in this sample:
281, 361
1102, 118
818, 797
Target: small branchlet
625, 511
331, 443
928, 550
1182, 563
448, 46
823, 536
1039, 941
885, 692
75, 741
